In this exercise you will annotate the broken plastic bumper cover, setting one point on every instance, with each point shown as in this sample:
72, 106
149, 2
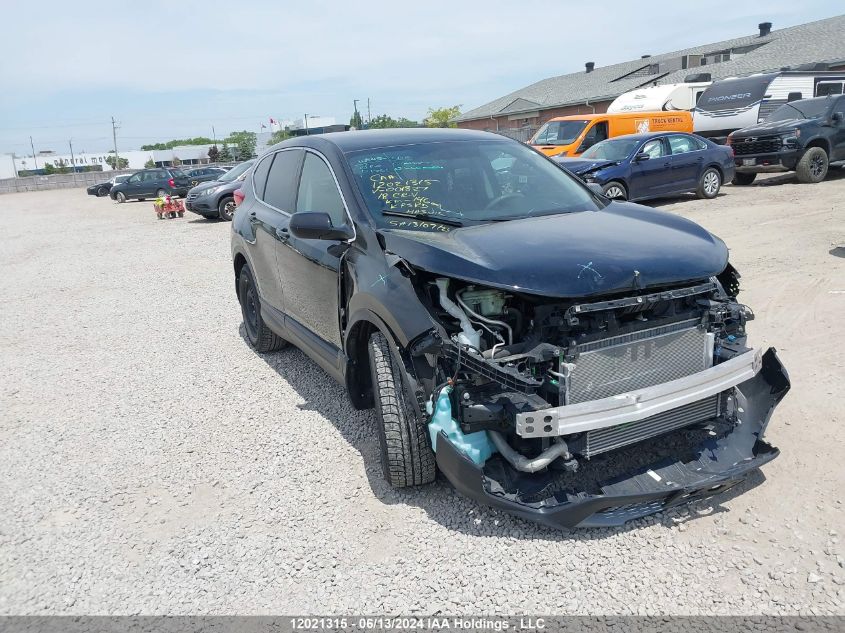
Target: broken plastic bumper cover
715, 465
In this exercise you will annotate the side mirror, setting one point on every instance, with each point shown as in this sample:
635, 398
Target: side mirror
641, 157
836, 117
595, 188
317, 226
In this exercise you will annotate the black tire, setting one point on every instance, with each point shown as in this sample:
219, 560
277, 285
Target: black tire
161, 193
226, 208
743, 179
406, 455
120, 197
709, 184
141, 199
812, 167
102, 191
616, 189
260, 337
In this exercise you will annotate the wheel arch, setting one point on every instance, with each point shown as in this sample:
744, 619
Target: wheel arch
818, 141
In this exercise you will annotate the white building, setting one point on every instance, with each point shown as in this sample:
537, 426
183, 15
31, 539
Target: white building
12, 165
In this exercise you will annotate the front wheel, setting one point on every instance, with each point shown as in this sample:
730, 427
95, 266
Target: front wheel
812, 167
709, 184
260, 337
406, 455
226, 208
120, 197
161, 193
615, 190
102, 191
743, 179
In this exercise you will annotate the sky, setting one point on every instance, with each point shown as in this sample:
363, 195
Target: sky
170, 69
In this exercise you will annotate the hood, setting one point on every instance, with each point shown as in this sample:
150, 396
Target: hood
208, 185
768, 128
620, 248
582, 165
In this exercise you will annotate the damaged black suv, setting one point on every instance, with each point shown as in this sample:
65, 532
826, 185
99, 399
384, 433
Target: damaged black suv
571, 360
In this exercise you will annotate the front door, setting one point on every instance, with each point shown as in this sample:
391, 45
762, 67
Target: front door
307, 269
133, 185
651, 177
838, 152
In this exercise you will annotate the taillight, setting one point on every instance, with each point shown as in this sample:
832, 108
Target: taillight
239, 196
171, 183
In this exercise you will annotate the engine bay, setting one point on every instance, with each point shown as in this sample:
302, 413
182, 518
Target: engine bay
515, 366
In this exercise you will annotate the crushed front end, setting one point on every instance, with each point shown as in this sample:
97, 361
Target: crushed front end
596, 412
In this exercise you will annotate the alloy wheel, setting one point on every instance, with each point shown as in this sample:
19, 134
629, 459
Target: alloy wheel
711, 183
614, 193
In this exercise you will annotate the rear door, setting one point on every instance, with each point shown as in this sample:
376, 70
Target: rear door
686, 160
651, 177
274, 180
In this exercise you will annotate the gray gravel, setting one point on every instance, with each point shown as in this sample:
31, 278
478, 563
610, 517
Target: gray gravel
150, 462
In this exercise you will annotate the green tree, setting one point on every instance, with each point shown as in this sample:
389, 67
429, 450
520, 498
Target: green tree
244, 144
213, 154
225, 153
278, 136
442, 117
49, 169
197, 140
356, 121
385, 121
122, 163
149, 164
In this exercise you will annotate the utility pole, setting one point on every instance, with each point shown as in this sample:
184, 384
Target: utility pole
306, 124
214, 135
357, 116
368, 111
32, 146
72, 161
114, 127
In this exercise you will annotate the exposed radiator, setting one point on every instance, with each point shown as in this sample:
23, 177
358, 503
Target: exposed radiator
640, 359
611, 438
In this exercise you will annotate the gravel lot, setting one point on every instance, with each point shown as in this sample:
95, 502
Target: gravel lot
150, 462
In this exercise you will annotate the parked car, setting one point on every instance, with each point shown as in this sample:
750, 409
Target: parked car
152, 183
574, 360
803, 136
640, 166
216, 199
102, 189
575, 134
204, 174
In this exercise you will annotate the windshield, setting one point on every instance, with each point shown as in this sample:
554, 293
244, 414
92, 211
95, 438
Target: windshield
804, 109
612, 149
436, 186
559, 132
236, 171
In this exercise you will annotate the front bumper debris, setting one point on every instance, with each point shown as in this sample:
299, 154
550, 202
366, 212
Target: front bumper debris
710, 467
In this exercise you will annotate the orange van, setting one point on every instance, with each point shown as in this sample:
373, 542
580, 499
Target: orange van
571, 135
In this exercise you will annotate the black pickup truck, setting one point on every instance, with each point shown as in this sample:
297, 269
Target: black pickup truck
804, 136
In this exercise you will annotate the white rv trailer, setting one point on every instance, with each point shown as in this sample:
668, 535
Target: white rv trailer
735, 103
655, 98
